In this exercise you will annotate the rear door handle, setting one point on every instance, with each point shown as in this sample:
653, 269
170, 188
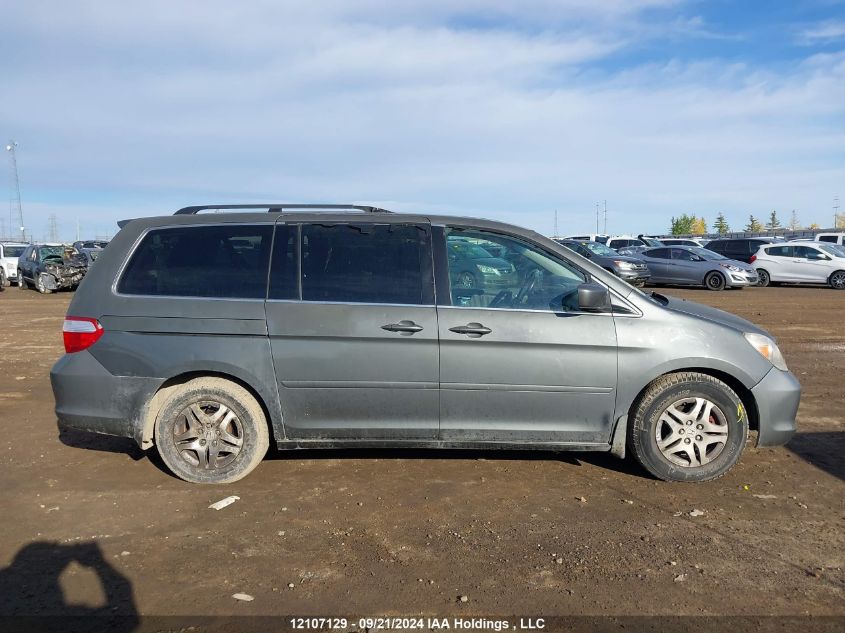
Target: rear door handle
403, 327
472, 330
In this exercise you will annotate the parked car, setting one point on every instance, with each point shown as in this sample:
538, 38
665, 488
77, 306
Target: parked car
472, 268
208, 336
9, 253
683, 241
694, 266
90, 244
621, 241
588, 237
831, 238
740, 249
630, 269
49, 267
801, 262
633, 251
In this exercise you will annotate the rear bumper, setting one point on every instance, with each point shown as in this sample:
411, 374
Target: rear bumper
777, 396
89, 398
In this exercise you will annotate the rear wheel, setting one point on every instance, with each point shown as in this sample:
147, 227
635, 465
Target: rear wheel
211, 431
21, 281
837, 280
688, 427
714, 281
763, 278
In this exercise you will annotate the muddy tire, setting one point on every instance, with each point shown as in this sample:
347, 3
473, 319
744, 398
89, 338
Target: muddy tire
211, 431
688, 427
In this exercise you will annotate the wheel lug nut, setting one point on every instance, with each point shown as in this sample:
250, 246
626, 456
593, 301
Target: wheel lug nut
687, 441
681, 431
698, 438
699, 426
689, 422
202, 442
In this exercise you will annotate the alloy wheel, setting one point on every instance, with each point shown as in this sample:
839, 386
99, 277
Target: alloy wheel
837, 280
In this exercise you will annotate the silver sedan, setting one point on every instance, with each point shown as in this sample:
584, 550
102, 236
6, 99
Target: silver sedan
691, 266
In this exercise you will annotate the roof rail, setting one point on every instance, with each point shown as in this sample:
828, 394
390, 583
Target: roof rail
278, 208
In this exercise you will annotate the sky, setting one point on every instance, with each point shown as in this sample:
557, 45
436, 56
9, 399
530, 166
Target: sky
509, 110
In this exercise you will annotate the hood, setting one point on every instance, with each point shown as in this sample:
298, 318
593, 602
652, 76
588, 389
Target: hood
734, 262
714, 315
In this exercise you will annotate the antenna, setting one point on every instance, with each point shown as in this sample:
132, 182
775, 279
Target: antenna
15, 186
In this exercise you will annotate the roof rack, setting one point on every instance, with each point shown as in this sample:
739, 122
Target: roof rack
278, 208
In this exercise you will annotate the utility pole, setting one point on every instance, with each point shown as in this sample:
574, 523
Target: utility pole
597, 217
836, 212
53, 229
605, 217
15, 185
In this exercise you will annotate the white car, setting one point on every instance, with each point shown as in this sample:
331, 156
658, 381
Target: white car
800, 262
9, 253
831, 238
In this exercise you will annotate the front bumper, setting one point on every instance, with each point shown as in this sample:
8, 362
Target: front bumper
777, 397
633, 275
742, 279
89, 398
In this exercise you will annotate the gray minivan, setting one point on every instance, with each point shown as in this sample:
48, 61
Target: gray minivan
211, 335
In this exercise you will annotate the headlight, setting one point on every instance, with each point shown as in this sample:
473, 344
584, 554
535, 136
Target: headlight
488, 270
621, 264
731, 267
767, 348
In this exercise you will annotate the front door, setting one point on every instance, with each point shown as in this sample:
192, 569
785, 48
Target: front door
518, 361
353, 330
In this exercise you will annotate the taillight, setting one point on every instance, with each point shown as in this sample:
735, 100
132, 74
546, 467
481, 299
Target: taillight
80, 333
753, 258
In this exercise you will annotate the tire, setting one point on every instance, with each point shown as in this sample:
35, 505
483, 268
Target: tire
714, 281
3, 281
666, 413
837, 280
187, 447
764, 278
40, 287
21, 281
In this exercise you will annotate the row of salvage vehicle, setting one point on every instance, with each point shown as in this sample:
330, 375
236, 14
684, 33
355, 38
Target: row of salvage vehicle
47, 266
717, 264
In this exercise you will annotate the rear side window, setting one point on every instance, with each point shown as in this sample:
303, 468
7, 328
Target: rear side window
779, 251
225, 261
658, 253
827, 238
367, 263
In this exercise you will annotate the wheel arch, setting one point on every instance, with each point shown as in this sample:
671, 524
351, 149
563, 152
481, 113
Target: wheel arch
718, 272
748, 401
147, 427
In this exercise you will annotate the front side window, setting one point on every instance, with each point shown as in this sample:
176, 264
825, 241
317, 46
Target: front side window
367, 263
658, 253
489, 270
223, 261
807, 252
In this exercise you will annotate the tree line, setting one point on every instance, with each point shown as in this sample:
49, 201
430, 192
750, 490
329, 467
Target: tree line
687, 224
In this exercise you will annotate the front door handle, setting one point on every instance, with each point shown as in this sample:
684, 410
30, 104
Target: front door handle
406, 328
472, 330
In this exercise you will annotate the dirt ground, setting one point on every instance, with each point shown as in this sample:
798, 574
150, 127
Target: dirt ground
92, 524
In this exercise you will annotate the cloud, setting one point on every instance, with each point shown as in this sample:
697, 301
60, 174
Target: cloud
488, 110
823, 32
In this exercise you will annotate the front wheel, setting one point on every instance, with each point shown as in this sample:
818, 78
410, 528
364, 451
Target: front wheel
40, 286
714, 281
211, 431
688, 427
763, 278
21, 281
837, 280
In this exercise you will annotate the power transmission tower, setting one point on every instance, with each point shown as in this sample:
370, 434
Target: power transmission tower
15, 185
605, 217
836, 212
53, 229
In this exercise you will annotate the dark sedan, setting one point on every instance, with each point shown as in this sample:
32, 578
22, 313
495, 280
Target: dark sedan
631, 269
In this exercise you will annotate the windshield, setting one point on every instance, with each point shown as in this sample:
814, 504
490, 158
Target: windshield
51, 251
468, 250
706, 254
13, 251
650, 241
600, 249
830, 249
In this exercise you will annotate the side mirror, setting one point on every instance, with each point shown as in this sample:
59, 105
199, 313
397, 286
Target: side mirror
593, 297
